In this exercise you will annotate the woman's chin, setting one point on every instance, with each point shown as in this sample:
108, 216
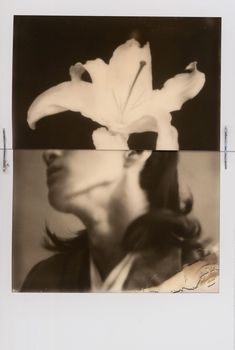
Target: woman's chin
59, 202
66, 203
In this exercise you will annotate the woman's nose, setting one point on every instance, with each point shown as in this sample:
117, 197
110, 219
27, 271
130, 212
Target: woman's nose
50, 155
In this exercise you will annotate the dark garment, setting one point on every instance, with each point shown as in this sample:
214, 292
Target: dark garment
63, 272
70, 271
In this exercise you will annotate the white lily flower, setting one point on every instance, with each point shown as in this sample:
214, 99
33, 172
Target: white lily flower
121, 98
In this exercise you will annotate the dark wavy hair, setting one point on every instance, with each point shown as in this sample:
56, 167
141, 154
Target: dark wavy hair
166, 224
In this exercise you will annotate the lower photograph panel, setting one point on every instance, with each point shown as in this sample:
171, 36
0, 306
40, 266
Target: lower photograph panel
115, 221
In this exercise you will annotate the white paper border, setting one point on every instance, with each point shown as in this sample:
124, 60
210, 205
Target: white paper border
114, 321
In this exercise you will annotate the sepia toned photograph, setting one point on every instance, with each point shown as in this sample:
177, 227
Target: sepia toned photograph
115, 221
116, 83
117, 174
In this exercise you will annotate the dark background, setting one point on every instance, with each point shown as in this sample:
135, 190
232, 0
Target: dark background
46, 46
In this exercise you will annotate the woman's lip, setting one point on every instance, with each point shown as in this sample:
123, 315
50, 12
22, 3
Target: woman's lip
52, 174
52, 169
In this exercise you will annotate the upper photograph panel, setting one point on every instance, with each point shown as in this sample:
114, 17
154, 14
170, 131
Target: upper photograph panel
116, 83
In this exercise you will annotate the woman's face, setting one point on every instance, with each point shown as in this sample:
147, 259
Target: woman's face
72, 174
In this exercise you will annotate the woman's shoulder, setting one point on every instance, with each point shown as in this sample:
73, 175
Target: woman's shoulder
58, 273
45, 275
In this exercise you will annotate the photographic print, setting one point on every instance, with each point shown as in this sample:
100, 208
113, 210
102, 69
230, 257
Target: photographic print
117, 192
113, 221
116, 83
109, 101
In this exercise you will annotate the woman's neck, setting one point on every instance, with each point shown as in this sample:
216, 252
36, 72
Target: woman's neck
105, 241
108, 214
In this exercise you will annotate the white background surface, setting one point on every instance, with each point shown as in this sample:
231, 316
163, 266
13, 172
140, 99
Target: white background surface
120, 321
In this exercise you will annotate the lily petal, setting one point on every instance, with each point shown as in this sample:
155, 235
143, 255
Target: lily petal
130, 74
180, 88
104, 140
161, 124
75, 95
105, 100
146, 123
167, 139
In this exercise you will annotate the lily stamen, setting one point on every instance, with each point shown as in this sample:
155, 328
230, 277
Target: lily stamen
142, 64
